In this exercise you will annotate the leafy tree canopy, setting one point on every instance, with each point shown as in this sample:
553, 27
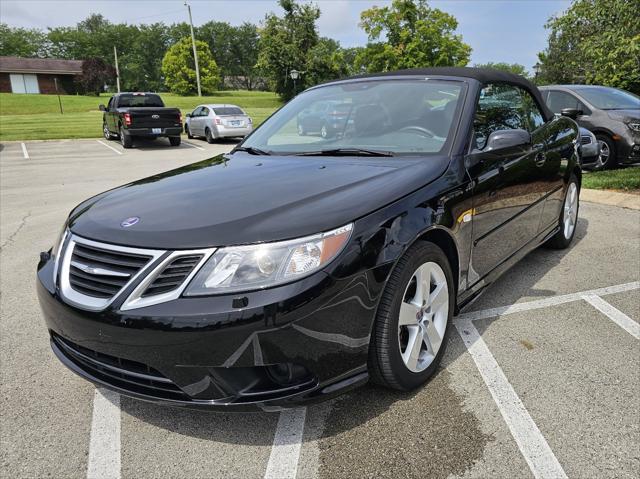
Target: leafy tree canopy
178, 67
22, 42
410, 34
594, 42
515, 68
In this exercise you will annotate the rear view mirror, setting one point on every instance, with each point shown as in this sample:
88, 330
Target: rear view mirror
102, 108
571, 112
505, 139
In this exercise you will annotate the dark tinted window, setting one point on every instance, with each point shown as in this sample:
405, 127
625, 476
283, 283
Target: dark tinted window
558, 100
531, 109
500, 107
110, 104
228, 111
139, 100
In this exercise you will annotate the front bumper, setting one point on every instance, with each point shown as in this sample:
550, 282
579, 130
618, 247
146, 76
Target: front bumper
628, 148
293, 344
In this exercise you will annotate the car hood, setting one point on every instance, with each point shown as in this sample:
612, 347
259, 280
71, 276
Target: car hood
242, 199
624, 115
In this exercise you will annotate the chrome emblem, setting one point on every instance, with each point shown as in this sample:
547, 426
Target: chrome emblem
130, 222
155, 117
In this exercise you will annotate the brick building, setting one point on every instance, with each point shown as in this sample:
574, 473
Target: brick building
38, 75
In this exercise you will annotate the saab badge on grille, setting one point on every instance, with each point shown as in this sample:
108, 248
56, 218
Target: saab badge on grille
130, 222
155, 117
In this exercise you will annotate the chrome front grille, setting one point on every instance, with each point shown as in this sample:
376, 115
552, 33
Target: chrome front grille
102, 273
92, 274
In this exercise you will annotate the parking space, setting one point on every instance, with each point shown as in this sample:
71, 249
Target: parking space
539, 379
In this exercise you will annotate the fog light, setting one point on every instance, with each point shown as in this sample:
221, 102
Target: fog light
287, 374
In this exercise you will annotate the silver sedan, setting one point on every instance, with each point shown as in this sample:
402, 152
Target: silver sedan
218, 121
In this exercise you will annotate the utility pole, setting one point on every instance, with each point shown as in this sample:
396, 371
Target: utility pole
115, 54
195, 52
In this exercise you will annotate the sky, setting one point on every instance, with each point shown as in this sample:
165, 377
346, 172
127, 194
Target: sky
509, 31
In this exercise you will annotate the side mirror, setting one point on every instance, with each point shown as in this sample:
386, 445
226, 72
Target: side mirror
102, 108
572, 113
506, 139
188, 115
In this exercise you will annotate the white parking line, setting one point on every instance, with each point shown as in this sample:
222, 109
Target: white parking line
25, 153
546, 302
532, 444
192, 145
615, 315
287, 442
110, 147
104, 445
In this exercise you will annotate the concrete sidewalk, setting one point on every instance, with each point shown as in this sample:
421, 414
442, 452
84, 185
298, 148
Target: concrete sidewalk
613, 198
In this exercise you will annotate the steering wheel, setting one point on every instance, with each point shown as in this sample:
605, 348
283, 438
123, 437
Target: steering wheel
419, 129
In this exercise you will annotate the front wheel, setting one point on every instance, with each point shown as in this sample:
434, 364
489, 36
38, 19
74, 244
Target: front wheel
607, 159
174, 140
412, 323
568, 217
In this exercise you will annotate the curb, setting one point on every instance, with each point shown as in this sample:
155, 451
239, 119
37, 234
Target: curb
613, 198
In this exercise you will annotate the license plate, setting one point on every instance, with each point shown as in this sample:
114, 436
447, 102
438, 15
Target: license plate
236, 123
156, 131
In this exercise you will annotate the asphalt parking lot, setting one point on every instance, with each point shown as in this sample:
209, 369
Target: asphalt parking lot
541, 376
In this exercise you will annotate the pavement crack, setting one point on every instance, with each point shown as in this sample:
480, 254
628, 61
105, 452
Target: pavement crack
13, 235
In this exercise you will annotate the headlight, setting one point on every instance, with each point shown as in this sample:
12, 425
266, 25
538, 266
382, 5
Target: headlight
634, 125
243, 268
56, 251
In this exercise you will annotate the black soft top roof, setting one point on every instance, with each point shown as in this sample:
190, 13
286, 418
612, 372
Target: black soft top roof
483, 75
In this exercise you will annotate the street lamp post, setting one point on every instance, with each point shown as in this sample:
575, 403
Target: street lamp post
294, 74
195, 52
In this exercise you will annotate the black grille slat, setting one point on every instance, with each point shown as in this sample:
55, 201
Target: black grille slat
103, 286
586, 140
173, 275
118, 372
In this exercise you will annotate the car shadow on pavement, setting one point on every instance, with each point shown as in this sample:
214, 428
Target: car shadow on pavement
437, 404
146, 144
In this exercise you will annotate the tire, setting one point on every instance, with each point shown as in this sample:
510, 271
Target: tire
209, 136
301, 130
390, 341
186, 130
175, 140
325, 132
125, 140
608, 159
568, 217
106, 132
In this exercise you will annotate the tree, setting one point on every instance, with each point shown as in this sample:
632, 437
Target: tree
95, 74
594, 42
22, 42
410, 34
178, 67
515, 68
285, 44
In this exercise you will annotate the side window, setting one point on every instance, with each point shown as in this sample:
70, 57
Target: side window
558, 100
110, 104
197, 111
204, 112
532, 111
500, 107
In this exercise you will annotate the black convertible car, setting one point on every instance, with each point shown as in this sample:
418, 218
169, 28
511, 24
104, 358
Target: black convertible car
298, 266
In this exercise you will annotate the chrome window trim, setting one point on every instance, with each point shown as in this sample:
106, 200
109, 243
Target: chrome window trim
91, 303
135, 299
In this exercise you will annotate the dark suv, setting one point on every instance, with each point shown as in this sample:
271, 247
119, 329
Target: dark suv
612, 115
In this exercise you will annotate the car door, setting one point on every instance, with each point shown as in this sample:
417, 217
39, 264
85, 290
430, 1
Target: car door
558, 100
110, 115
195, 122
507, 199
205, 119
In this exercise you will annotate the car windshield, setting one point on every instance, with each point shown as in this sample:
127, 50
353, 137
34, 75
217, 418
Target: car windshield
610, 98
396, 117
228, 111
140, 100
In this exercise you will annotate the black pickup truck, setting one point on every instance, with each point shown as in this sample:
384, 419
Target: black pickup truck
131, 115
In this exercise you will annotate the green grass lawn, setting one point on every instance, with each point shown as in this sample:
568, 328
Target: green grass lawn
624, 179
37, 117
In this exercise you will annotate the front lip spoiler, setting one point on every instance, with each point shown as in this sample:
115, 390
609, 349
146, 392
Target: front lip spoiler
307, 395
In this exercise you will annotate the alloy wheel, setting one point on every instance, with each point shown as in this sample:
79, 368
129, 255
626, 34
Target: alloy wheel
605, 152
424, 313
324, 132
570, 210
105, 132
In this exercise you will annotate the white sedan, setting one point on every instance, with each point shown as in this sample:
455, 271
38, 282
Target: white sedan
218, 121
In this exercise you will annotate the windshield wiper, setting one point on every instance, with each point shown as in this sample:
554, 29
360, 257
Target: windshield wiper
251, 150
346, 152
